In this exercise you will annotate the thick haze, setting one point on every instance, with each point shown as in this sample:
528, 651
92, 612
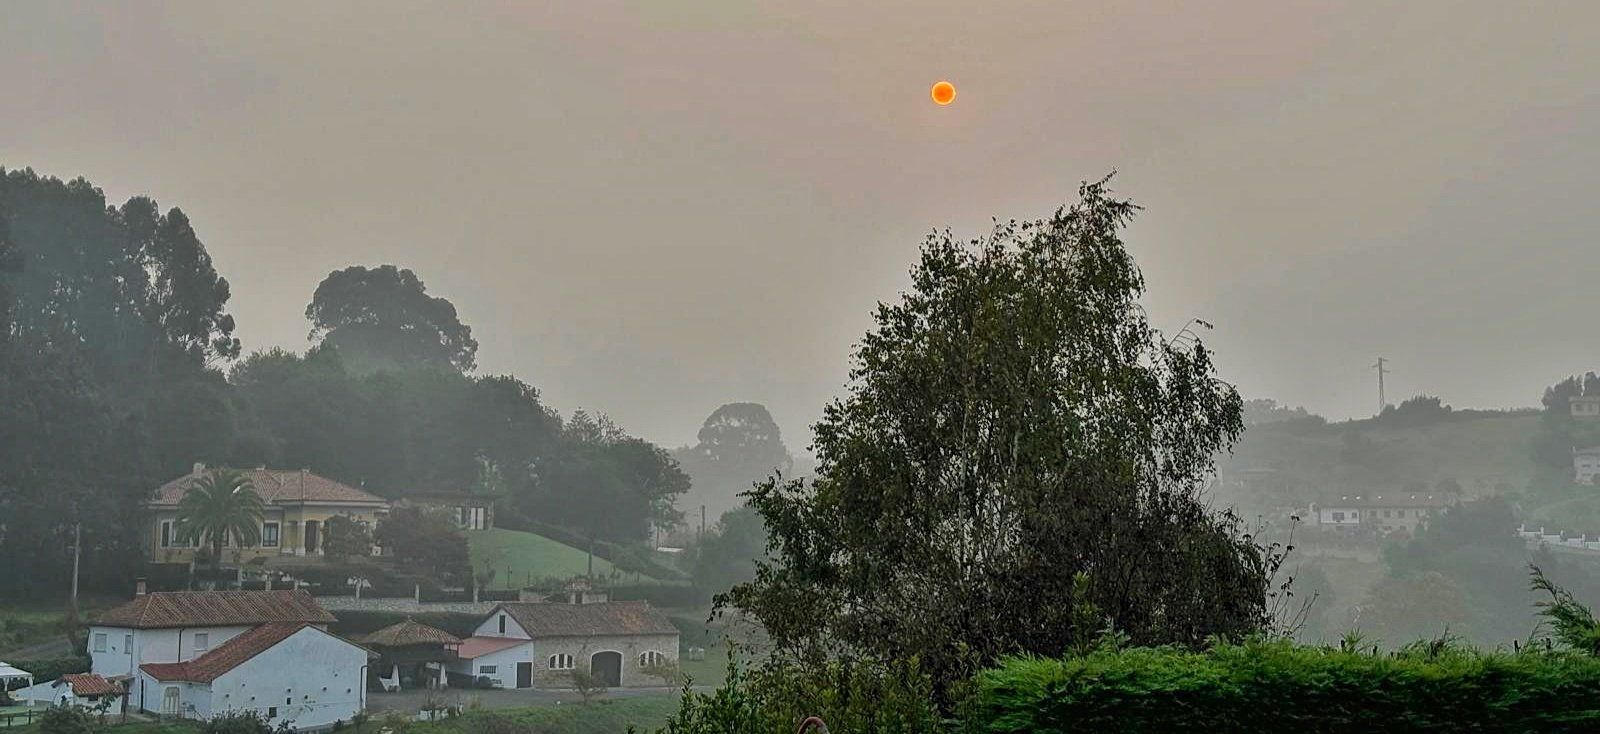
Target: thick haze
653, 208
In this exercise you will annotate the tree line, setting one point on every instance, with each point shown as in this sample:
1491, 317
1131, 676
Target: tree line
120, 367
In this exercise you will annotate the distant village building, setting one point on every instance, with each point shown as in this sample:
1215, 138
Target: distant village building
1585, 406
1382, 513
298, 506
540, 644
1586, 464
197, 654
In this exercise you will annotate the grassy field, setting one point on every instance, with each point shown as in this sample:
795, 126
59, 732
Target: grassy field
519, 557
645, 714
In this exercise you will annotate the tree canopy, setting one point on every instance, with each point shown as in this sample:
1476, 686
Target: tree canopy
1012, 422
738, 445
383, 317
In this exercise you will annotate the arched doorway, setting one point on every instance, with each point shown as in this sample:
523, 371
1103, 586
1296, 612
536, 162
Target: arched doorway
606, 667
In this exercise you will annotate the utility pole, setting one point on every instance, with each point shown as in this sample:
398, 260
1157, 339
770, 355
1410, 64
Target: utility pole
77, 551
1382, 368
702, 523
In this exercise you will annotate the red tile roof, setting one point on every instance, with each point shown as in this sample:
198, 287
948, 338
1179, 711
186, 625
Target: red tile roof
227, 656
477, 647
277, 487
589, 620
215, 609
410, 632
89, 684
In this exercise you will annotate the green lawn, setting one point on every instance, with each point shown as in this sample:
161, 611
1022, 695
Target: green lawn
519, 557
603, 716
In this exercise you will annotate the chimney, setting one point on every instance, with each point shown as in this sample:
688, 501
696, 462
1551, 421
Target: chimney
199, 468
138, 587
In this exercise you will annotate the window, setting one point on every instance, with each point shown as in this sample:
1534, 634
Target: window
1385, 513
561, 662
272, 712
1338, 517
127, 644
502, 624
1399, 513
652, 659
202, 642
487, 669
99, 642
269, 535
166, 534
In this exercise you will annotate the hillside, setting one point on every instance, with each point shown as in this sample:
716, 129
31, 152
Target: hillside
519, 558
1294, 462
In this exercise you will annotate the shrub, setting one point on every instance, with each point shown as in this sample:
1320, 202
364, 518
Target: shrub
68, 720
1280, 687
860, 697
49, 669
241, 722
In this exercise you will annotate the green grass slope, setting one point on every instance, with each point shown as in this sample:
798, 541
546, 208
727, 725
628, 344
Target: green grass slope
519, 557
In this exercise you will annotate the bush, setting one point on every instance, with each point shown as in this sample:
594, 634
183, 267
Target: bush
357, 623
241, 722
678, 596
857, 697
1282, 687
69, 720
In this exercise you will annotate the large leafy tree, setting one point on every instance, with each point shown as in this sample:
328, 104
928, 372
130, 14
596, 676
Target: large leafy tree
426, 544
606, 484
1012, 422
221, 507
133, 286
383, 318
110, 318
738, 445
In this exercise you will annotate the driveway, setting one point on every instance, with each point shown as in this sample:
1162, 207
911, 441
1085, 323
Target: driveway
411, 702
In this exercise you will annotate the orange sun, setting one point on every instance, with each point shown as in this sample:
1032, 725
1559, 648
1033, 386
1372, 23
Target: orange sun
943, 93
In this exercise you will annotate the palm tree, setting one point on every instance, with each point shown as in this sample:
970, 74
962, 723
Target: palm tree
222, 504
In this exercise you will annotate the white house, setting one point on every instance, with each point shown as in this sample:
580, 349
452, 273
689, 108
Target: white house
527, 645
289, 672
1586, 464
195, 654
1585, 406
172, 627
1380, 513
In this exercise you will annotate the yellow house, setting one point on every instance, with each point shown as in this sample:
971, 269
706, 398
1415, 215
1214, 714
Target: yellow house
298, 505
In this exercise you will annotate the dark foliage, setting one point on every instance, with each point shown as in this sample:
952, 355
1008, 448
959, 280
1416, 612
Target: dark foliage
1012, 422
383, 318
1279, 687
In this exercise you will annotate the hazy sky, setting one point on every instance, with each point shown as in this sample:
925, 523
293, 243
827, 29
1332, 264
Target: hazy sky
652, 208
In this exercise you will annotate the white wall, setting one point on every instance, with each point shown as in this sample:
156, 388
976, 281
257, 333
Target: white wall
505, 664
313, 678
194, 700
152, 646
491, 627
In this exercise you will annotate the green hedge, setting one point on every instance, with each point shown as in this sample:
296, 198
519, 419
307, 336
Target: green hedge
48, 669
1280, 687
357, 623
